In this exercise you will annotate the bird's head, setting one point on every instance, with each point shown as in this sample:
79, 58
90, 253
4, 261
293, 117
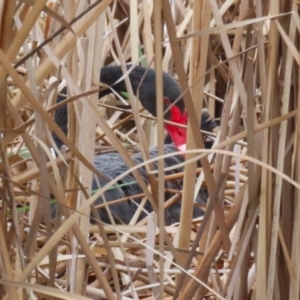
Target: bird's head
143, 82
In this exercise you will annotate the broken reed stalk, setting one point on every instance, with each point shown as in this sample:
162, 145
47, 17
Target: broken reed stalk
241, 74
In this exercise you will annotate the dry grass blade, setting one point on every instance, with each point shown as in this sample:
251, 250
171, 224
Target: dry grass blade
241, 61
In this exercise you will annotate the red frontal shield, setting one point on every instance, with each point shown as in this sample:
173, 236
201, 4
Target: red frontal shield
177, 134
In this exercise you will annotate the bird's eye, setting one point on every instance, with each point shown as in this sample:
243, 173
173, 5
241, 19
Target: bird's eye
167, 101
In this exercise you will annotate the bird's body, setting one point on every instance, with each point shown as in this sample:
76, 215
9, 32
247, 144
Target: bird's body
112, 165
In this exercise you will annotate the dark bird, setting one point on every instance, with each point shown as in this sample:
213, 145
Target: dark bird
143, 85
112, 165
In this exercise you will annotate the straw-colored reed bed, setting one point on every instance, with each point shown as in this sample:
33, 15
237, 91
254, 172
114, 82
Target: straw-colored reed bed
240, 59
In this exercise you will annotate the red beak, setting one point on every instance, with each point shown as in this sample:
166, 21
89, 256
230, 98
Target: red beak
177, 134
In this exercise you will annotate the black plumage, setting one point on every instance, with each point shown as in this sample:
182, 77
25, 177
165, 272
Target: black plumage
143, 85
112, 165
